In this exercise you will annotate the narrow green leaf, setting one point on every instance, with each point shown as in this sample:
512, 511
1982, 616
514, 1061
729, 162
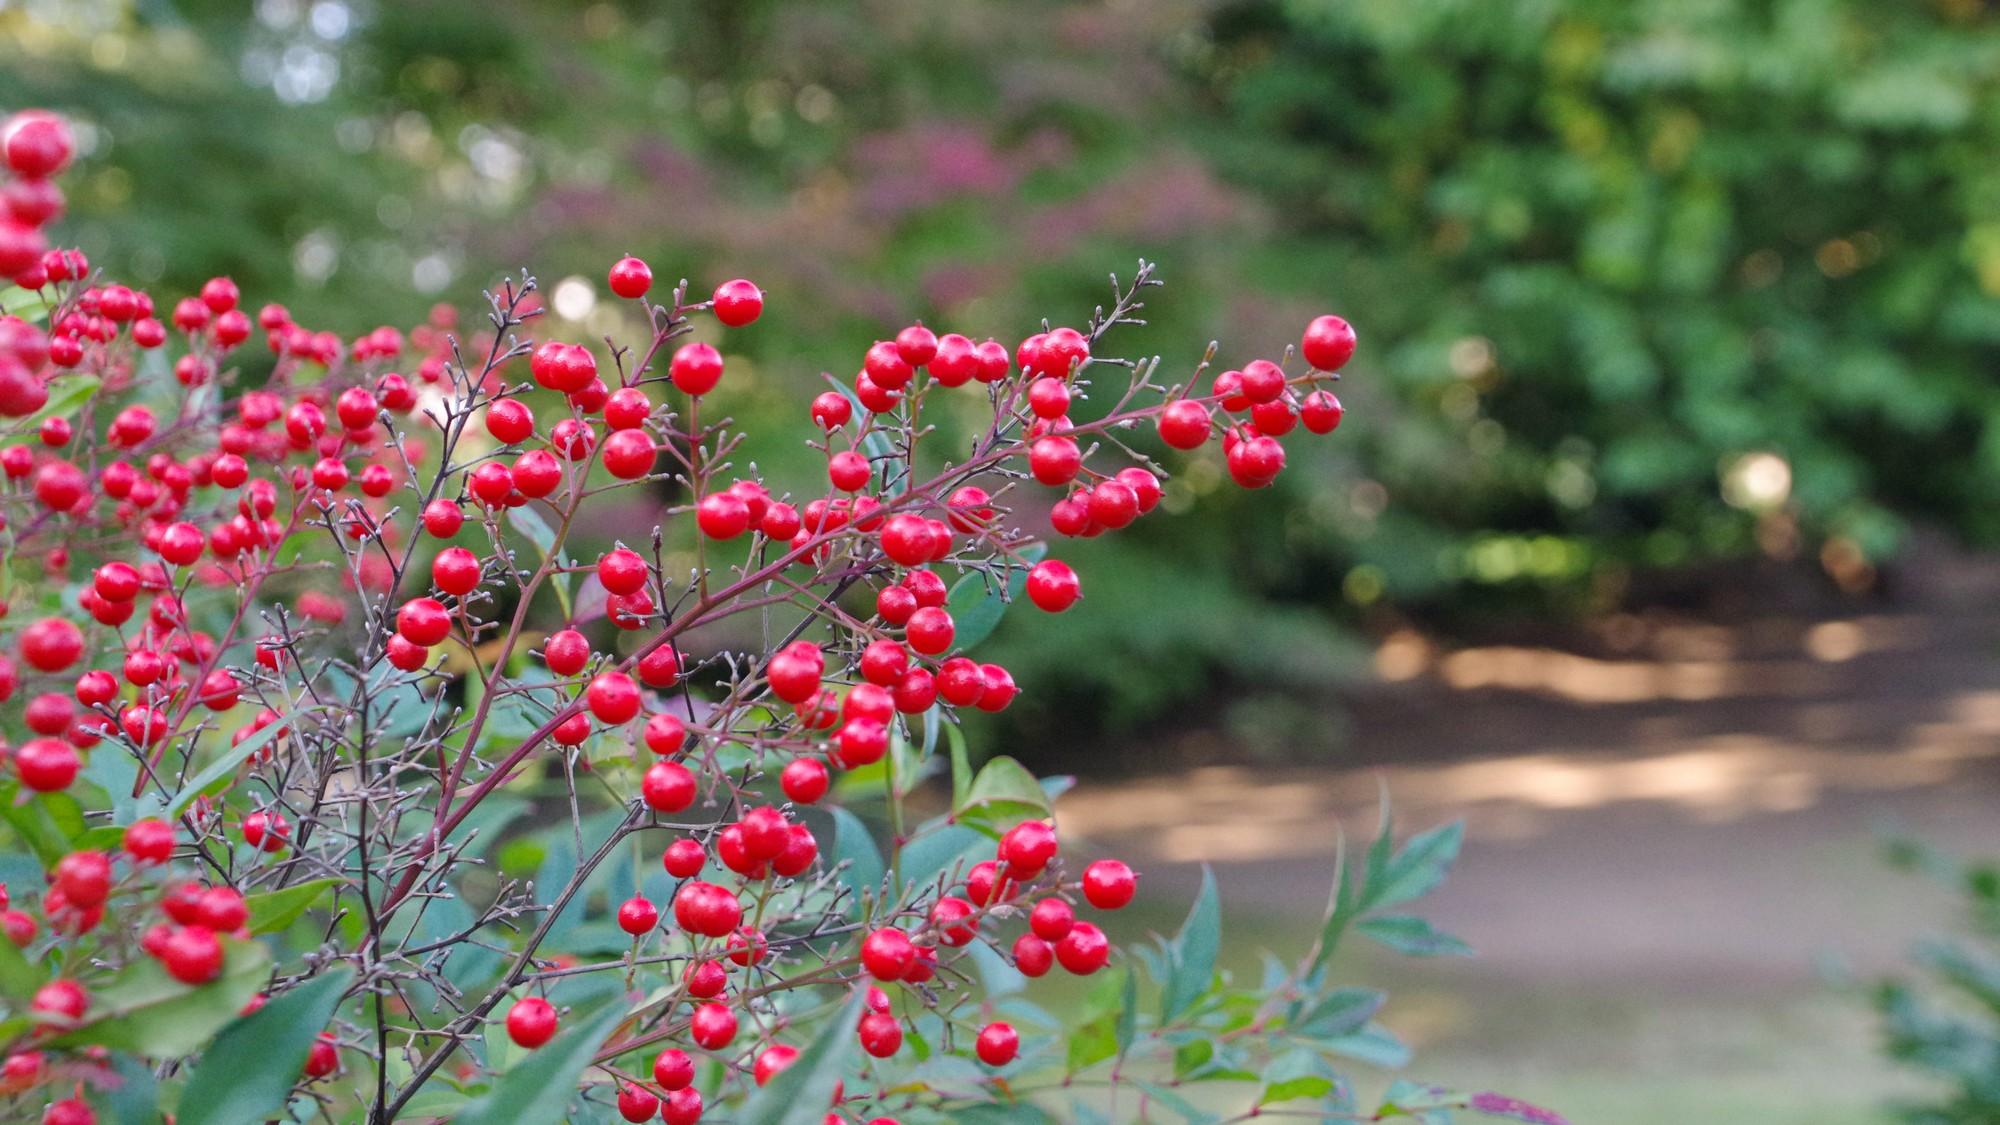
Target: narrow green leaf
1408, 934
217, 773
1193, 952
274, 910
976, 606
1372, 1044
961, 767
1128, 1013
853, 846
1296, 1074
538, 1090
1341, 1012
938, 850
1189, 1112
247, 1074
800, 1093
1002, 795
147, 1012
1420, 866
530, 524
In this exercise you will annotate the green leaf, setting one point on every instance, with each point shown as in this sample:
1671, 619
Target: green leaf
1420, 866
1296, 1074
1190, 1057
247, 1074
1002, 795
147, 1012
961, 766
36, 821
18, 979
1128, 1012
800, 1093
1372, 1044
853, 846
937, 849
538, 1090
530, 523
135, 1100
274, 910
1341, 1012
1408, 934
1094, 1042
1192, 952
214, 777
976, 606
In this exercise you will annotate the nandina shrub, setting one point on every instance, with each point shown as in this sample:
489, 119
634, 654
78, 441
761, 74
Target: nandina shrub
351, 779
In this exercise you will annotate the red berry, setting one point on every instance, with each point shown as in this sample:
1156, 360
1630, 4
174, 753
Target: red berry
193, 955
885, 367
323, 1059
713, 1026
622, 571
635, 1102
803, 780
631, 278
1084, 950
681, 1107
69, 1111
665, 734
831, 410
1256, 462
738, 302
627, 409
1052, 919
722, 515
51, 644
930, 630
997, 1044
46, 765
916, 345
37, 144
1184, 424
509, 420
1321, 412
637, 916
1109, 884
1055, 460
1328, 343
881, 1035
531, 1022
456, 571
567, 368
707, 980
423, 621
667, 787
630, 454
613, 698
443, 518
684, 859
795, 671
706, 909
1053, 586
887, 954
696, 368
84, 878
772, 1060
673, 1069
849, 471
949, 916
1028, 847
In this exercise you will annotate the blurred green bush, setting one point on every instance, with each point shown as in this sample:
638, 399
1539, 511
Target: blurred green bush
1639, 285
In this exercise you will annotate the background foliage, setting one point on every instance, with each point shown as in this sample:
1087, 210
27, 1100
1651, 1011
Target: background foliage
1642, 285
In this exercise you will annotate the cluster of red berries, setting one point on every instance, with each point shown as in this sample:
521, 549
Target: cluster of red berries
170, 504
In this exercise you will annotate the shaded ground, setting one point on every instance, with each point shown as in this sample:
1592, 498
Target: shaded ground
1668, 840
